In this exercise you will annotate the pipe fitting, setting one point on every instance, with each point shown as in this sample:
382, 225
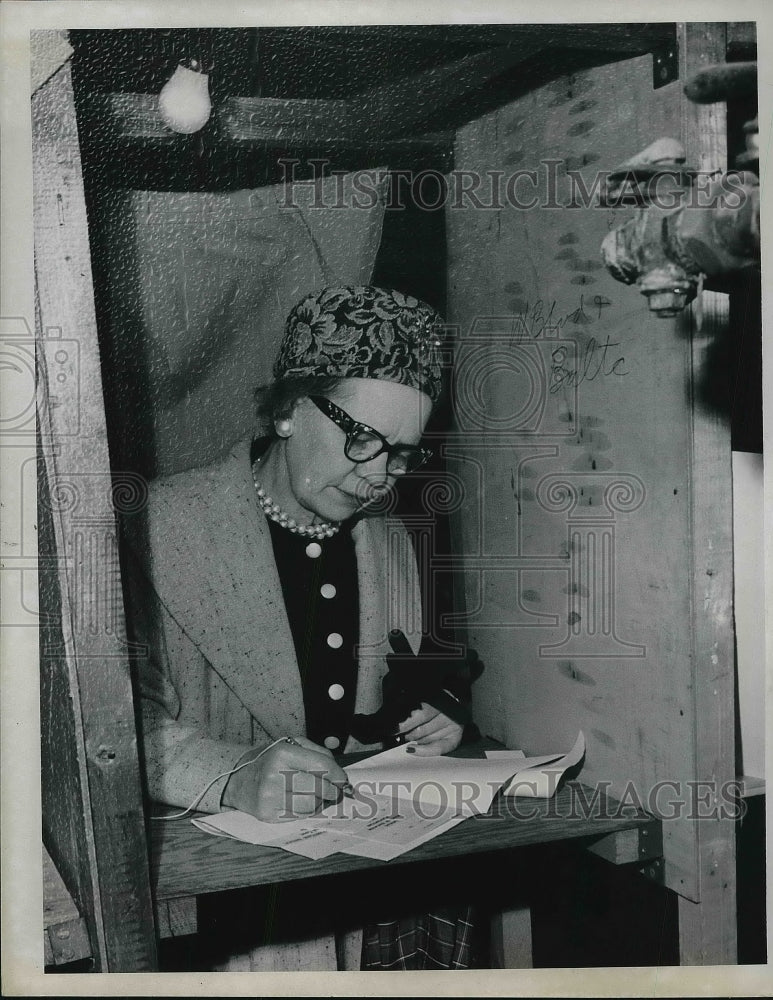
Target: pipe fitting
717, 231
668, 289
637, 252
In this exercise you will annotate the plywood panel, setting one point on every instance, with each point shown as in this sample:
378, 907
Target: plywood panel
575, 443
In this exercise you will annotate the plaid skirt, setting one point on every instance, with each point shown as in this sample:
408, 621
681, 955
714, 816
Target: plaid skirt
400, 930
442, 939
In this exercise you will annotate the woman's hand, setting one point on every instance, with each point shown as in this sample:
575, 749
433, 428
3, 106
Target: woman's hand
434, 732
289, 781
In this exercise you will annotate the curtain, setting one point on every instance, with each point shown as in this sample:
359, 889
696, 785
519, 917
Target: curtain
197, 286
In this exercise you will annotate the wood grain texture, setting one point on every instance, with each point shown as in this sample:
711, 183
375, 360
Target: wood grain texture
707, 931
576, 602
187, 862
633, 846
511, 946
58, 905
66, 942
578, 518
93, 816
349, 949
66, 936
317, 955
176, 917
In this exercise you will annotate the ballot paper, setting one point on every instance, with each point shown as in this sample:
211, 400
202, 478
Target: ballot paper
538, 777
463, 785
400, 800
372, 826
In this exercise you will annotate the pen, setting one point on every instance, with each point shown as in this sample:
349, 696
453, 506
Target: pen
346, 787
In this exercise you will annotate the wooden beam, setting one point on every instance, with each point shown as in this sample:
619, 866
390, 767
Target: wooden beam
133, 120
643, 844
612, 38
392, 110
92, 803
396, 108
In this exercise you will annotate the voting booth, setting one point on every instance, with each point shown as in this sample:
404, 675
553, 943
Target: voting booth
588, 524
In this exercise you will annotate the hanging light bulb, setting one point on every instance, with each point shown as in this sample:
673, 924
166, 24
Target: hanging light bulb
184, 102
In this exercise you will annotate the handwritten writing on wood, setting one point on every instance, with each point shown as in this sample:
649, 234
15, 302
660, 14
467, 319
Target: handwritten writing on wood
594, 362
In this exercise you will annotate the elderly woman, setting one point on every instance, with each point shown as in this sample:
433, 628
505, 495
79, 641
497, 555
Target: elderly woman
269, 585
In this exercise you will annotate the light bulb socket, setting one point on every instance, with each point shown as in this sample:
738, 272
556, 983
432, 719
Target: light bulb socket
196, 65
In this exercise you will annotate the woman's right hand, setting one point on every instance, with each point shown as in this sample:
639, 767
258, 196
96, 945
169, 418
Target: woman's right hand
288, 781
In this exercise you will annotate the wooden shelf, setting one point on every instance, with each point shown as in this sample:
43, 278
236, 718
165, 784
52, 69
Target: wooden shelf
187, 862
751, 786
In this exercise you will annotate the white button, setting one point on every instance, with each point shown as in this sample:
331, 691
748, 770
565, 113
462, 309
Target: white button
332, 742
327, 590
336, 692
335, 640
313, 549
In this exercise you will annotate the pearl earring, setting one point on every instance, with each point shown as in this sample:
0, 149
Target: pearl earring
284, 428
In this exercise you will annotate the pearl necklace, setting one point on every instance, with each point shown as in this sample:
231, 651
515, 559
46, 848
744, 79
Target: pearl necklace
324, 529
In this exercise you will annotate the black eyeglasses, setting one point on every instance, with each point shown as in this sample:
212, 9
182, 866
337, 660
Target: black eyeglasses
363, 443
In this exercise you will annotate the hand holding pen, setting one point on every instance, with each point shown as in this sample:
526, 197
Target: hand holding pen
431, 730
291, 779
436, 723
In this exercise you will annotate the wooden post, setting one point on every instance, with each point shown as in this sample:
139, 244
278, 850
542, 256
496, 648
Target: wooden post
707, 929
92, 804
511, 945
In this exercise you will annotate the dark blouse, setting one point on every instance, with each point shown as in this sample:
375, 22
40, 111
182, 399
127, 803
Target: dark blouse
319, 584
321, 596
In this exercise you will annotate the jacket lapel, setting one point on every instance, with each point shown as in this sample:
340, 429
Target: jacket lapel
215, 571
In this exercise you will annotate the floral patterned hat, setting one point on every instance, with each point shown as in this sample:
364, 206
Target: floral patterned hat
364, 332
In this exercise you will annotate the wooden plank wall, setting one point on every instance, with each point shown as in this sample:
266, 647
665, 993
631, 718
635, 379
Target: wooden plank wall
93, 817
595, 485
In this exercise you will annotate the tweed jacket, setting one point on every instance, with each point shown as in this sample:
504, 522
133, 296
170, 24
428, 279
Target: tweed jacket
217, 671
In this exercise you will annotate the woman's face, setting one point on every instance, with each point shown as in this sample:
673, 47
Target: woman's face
320, 477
